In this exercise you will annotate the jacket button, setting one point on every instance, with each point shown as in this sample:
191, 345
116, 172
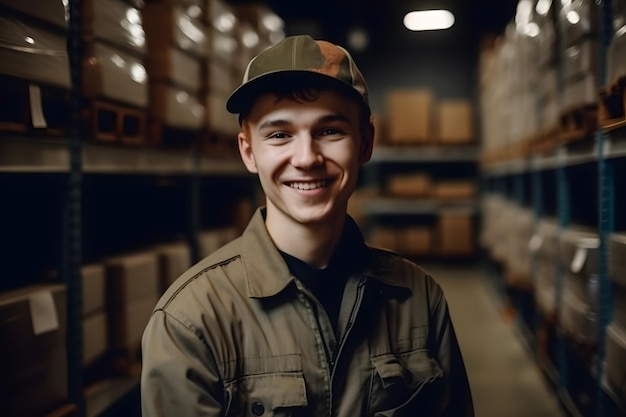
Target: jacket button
258, 409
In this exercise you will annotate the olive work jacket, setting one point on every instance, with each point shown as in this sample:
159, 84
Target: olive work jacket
238, 335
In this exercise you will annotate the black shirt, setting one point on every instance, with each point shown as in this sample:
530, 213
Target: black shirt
327, 284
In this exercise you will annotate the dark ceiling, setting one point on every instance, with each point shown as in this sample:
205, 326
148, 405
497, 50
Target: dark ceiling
382, 19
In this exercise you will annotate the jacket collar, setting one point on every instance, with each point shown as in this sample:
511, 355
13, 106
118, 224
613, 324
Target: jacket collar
267, 274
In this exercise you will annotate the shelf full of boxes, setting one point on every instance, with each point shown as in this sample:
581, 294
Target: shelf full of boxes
553, 161
161, 184
418, 193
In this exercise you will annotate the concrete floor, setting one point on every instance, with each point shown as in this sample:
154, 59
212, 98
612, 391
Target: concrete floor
505, 380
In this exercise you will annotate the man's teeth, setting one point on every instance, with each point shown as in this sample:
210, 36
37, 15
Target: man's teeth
307, 185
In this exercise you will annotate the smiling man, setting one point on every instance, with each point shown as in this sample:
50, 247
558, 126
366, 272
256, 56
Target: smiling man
299, 316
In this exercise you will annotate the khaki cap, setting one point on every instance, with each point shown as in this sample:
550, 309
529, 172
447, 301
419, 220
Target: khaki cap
300, 59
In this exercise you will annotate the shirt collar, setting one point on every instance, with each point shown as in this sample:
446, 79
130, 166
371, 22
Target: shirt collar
267, 273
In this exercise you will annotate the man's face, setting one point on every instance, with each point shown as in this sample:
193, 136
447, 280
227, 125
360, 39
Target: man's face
307, 156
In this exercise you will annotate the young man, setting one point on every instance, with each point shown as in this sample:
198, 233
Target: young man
298, 316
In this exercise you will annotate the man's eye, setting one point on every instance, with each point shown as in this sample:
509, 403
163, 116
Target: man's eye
278, 135
330, 132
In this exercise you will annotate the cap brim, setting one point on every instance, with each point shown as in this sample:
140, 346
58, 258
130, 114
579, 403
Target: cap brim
241, 99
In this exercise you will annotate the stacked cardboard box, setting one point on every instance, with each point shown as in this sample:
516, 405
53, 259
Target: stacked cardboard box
579, 252
454, 189
580, 37
223, 73
410, 185
544, 248
616, 54
615, 362
178, 48
133, 289
33, 358
454, 122
212, 239
114, 74
34, 66
174, 259
409, 115
95, 314
410, 240
455, 233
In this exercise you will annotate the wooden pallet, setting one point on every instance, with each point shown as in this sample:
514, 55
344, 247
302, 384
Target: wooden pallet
578, 123
16, 107
544, 141
111, 122
611, 106
160, 134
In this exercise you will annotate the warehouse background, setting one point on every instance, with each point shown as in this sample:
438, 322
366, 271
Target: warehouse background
499, 166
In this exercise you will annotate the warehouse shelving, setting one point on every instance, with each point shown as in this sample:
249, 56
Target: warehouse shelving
69, 200
45, 155
576, 184
418, 220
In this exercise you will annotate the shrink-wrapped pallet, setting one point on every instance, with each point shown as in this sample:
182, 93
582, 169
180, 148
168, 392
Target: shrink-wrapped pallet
113, 74
577, 20
176, 107
117, 22
544, 247
173, 26
54, 12
33, 53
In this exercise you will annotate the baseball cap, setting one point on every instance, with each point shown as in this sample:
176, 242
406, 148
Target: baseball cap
301, 60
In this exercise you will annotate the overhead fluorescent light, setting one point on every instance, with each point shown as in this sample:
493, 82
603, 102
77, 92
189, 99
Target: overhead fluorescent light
428, 20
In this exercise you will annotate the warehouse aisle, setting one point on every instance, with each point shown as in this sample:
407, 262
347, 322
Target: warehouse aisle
504, 377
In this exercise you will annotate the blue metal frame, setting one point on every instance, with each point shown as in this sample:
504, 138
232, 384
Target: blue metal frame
72, 231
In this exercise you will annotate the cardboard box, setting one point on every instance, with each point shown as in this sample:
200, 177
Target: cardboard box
132, 277
409, 116
454, 122
384, 238
409, 185
455, 234
95, 336
168, 25
115, 21
212, 239
455, 190
176, 67
51, 11
45, 61
174, 107
619, 305
114, 74
174, 259
417, 240
129, 321
615, 362
33, 320
94, 287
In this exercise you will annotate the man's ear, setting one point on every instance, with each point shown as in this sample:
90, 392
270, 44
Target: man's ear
367, 143
245, 150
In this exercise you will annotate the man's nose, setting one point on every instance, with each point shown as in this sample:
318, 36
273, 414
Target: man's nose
306, 153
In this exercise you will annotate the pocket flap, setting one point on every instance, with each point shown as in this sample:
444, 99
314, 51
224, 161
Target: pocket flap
277, 390
413, 368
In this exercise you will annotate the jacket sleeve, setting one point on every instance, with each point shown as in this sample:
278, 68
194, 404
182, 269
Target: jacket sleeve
457, 398
179, 376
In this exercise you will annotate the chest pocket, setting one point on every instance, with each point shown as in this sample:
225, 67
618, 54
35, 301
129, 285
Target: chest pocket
404, 384
267, 387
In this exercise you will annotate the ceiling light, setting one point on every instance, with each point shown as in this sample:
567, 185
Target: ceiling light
573, 17
428, 20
